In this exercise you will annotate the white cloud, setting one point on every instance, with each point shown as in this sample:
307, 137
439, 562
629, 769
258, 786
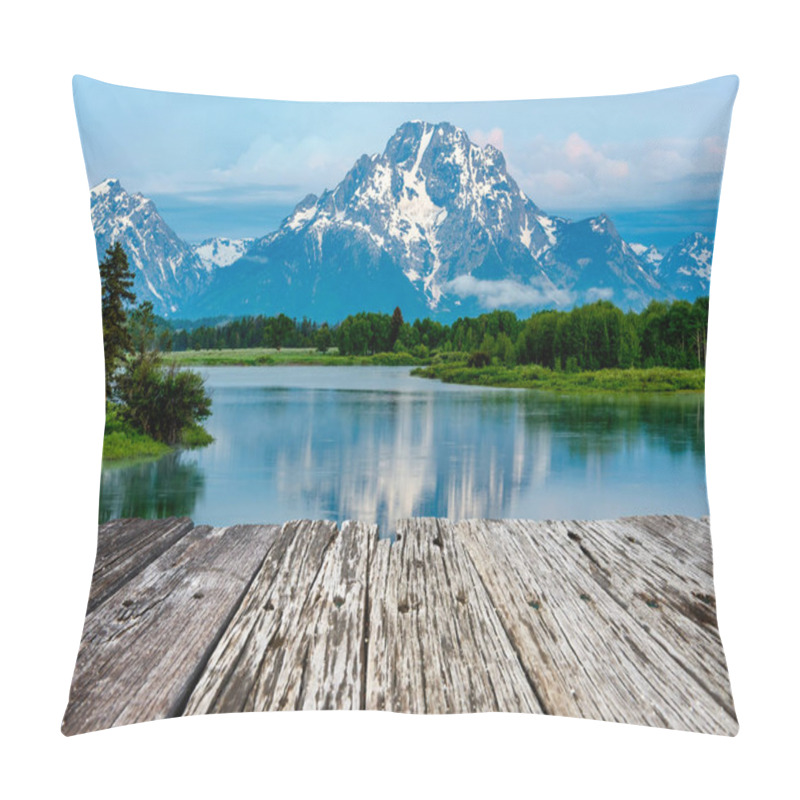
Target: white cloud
494, 137
596, 293
577, 173
268, 170
507, 293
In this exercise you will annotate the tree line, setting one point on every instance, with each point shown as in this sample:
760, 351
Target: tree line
164, 403
590, 337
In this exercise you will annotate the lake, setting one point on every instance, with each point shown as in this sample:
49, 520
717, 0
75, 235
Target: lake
376, 444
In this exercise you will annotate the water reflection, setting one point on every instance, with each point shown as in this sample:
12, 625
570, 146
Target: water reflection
374, 444
168, 487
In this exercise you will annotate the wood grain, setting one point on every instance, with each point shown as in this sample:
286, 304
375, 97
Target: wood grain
612, 620
142, 648
585, 638
297, 640
436, 643
126, 546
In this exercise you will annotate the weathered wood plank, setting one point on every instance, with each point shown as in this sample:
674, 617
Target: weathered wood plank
436, 644
297, 641
638, 560
126, 546
608, 620
581, 647
143, 647
681, 540
671, 601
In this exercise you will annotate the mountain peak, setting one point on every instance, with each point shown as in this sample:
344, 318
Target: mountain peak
687, 266
106, 186
434, 224
164, 266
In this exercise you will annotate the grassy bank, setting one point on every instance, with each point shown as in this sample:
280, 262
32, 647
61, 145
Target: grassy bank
452, 368
656, 379
121, 441
265, 356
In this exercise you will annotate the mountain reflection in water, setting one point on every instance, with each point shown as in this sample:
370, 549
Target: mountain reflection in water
375, 444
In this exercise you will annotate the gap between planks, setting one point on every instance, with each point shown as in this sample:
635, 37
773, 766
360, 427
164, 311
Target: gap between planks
606, 620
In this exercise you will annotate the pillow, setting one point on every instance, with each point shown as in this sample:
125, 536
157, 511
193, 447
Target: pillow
404, 407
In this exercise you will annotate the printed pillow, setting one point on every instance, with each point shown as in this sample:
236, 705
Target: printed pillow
404, 407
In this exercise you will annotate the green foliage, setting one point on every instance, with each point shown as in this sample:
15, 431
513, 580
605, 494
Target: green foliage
269, 357
161, 401
323, 338
116, 281
585, 339
658, 379
393, 360
395, 327
421, 351
157, 406
195, 435
246, 333
279, 332
450, 357
480, 358
122, 441
142, 328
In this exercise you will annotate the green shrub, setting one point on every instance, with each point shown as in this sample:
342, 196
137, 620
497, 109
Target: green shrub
420, 351
195, 436
480, 358
396, 359
121, 440
161, 401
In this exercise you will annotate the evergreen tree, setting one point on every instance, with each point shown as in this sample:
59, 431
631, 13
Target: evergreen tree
142, 327
396, 327
280, 330
323, 338
116, 279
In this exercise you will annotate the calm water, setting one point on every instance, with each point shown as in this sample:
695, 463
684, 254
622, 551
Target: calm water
375, 444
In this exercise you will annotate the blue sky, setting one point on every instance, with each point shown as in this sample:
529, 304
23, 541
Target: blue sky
218, 166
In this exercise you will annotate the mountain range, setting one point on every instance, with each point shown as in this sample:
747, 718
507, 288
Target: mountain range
435, 224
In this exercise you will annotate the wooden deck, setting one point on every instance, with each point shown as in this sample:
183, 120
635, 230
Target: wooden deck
611, 620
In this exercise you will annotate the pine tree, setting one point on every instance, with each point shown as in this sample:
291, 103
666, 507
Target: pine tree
142, 327
116, 279
396, 327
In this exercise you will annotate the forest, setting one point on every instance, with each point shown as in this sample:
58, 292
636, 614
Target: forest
591, 337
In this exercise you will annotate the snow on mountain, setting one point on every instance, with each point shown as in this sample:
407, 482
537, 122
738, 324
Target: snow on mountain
434, 224
166, 269
593, 262
219, 252
437, 205
648, 254
437, 221
686, 268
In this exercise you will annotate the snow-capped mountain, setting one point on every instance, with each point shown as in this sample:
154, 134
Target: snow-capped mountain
647, 254
166, 269
686, 268
437, 225
592, 262
219, 252
398, 228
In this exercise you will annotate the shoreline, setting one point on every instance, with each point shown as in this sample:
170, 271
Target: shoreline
650, 380
122, 442
287, 357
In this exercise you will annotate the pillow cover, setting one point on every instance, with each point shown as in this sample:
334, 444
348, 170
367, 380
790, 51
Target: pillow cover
404, 407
